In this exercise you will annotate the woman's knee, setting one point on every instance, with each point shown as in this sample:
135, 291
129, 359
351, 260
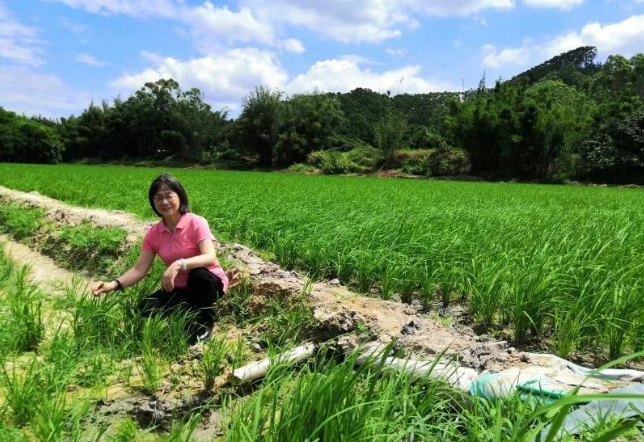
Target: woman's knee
204, 287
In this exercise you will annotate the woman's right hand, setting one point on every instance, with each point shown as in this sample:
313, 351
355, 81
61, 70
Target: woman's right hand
104, 287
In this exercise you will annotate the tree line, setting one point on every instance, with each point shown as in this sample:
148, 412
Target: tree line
567, 118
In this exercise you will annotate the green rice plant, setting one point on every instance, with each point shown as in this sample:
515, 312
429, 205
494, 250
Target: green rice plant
62, 357
24, 319
336, 402
126, 431
513, 252
151, 365
96, 321
287, 321
212, 361
86, 247
239, 354
6, 267
88, 240
182, 431
621, 316
9, 433
20, 221
55, 420
174, 340
24, 387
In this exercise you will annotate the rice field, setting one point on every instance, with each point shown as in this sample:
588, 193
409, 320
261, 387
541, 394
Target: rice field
562, 263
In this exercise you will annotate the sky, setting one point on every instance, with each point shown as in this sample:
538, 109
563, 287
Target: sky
57, 56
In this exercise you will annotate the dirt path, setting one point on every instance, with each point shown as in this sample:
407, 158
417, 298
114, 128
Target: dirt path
42, 269
338, 311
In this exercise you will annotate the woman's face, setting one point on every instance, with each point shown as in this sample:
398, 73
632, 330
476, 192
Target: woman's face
166, 201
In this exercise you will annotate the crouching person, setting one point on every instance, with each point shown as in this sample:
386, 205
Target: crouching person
183, 241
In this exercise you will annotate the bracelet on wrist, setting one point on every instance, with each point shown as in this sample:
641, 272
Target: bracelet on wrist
119, 286
184, 266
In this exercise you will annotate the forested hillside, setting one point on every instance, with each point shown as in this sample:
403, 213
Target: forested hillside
567, 118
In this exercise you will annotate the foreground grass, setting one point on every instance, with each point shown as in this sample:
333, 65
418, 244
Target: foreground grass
562, 262
57, 357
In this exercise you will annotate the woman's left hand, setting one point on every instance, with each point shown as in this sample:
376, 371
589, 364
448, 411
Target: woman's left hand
167, 281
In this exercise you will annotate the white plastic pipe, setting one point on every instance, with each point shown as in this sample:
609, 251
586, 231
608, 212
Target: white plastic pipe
256, 370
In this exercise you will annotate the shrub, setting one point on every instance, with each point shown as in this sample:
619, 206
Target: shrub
332, 162
449, 162
415, 162
301, 168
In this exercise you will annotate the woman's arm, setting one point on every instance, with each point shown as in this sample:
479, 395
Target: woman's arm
129, 278
206, 259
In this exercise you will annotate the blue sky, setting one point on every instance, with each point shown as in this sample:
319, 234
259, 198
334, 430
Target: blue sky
56, 56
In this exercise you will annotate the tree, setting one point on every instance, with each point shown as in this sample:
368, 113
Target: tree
258, 124
28, 140
307, 124
388, 134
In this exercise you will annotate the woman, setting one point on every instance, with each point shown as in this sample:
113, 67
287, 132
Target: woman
185, 244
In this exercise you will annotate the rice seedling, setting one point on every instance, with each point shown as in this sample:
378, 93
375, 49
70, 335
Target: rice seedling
19, 221
182, 431
151, 365
513, 252
96, 321
23, 389
56, 420
24, 318
212, 361
126, 431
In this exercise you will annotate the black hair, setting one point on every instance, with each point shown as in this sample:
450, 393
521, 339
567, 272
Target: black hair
173, 184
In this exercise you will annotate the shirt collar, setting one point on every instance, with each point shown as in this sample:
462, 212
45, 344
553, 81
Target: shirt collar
183, 221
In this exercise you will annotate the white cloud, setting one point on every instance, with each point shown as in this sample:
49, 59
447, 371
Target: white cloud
134, 8
558, 4
348, 22
293, 45
397, 52
212, 25
496, 59
24, 91
266, 22
345, 75
625, 37
209, 24
224, 79
443, 8
90, 60
83, 32
18, 42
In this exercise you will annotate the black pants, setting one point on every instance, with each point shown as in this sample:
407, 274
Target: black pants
204, 288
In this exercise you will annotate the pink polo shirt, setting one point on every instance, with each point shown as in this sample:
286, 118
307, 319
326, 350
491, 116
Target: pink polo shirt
183, 243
